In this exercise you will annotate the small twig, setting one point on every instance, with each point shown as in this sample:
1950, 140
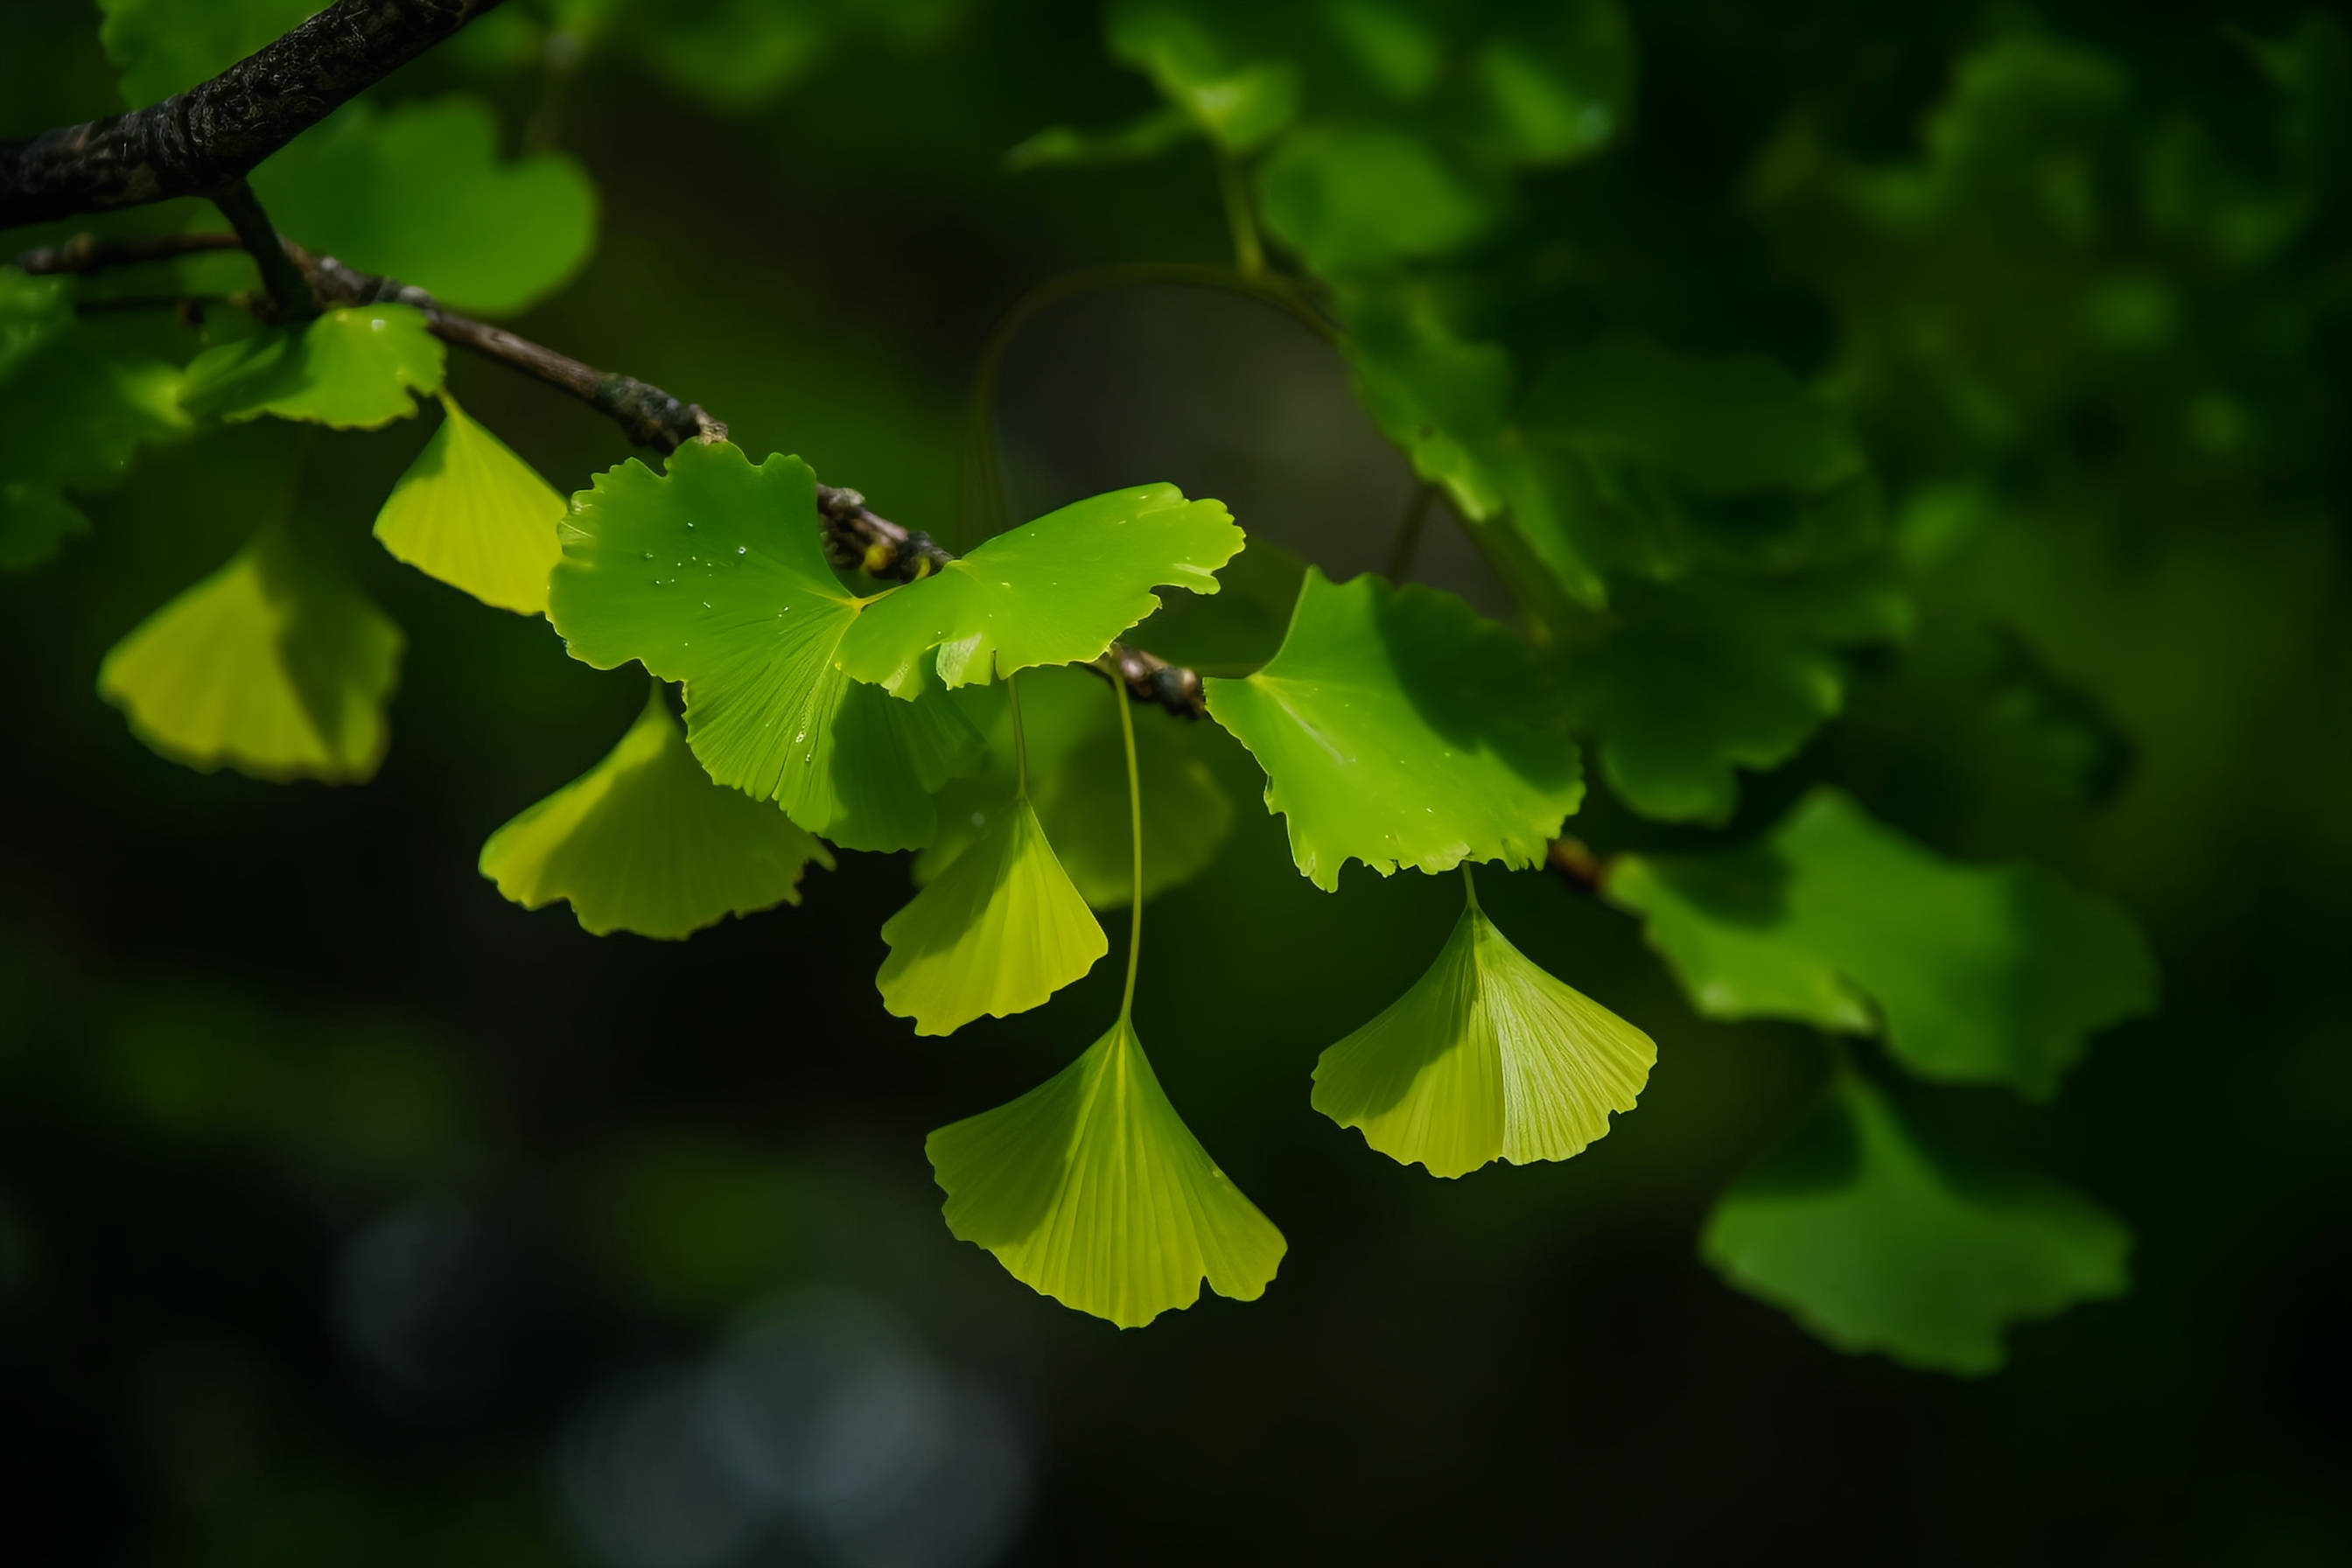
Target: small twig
1573, 859
194, 143
86, 253
856, 535
1407, 540
289, 286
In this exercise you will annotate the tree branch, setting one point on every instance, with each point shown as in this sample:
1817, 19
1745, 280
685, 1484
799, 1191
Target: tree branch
197, 142
289, 286
855, 534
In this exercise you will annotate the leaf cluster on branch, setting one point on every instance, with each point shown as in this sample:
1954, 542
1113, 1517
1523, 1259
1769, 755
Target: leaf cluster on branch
1704, 552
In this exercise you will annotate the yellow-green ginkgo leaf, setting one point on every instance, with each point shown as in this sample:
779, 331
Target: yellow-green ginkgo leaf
1055, 591
1076, 780
1000, 930
354, 369
1486, 1058
712, 573
1090, 1189
1397, 727
645, 842
471, 513
272, 666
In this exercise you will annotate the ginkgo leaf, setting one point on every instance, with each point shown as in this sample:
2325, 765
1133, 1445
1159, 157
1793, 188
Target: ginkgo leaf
997, 932
712, 573
1557, 89
35, 521
272, 666
356, 368
1360, 200
1090, 1189
417, 191
471, 513
1238, 104
1064, 146
1399, 728
1441, 398
1078, 784
1486, 1058
163, 47
77, 397
1688, 684
1055, 591
1975, 973
1874, 1244
645, 842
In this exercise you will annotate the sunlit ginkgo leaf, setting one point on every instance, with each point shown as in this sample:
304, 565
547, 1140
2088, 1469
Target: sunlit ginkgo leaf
645, 842
713, 575
471, 513
1077, 781
357, 368
272, 666
1486, 1058
1090, 1189
1876, 1243
997, 932
1055, 591
1399, 728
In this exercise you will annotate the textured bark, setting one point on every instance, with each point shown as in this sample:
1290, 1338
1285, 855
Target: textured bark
199, 141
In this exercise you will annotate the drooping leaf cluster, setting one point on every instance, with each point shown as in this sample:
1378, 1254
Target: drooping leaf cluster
1713, 548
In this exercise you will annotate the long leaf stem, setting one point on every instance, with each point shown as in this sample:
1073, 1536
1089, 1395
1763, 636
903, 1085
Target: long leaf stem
1134, 833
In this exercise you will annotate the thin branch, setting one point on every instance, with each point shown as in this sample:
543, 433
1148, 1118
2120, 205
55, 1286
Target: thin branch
289, 286
1572, 861
856, 535
195, 142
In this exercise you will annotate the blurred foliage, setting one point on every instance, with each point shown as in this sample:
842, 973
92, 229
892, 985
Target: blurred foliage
1938, 406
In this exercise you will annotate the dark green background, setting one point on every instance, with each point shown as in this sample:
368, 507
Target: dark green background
350, 1214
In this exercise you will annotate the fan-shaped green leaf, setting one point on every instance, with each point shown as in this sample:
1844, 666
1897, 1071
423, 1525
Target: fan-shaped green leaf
1557, 91
1442, 399
1486, 1058
163, 47
645, 842
997, 932
417, 192
77, 399
1872, 1244
1140, 139
1078, 783
713, 575
1055, 591
1238, 104
1356, 200
1976, 973
1398, 727
356, 368
1687, 684
1396, 49
1090, 1189
471, 513
271, 665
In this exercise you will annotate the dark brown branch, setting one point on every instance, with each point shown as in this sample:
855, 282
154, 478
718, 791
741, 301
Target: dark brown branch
196, 142
289, 286
1573, 860
856, 535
